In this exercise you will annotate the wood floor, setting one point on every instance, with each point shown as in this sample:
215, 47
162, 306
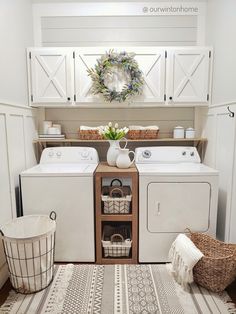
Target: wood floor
7, 287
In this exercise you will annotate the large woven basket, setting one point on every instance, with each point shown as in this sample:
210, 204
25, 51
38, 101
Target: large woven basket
217, 268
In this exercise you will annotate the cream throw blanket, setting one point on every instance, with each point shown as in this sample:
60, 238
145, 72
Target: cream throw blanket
184, 255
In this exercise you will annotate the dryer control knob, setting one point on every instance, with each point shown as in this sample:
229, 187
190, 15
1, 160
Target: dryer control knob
146, 153
192, 154
58, 154
51, 153
184, 153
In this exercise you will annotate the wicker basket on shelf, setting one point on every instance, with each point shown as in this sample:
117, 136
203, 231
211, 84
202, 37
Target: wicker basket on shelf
116, 241
217, 268
147, 134
89, 134
116, 198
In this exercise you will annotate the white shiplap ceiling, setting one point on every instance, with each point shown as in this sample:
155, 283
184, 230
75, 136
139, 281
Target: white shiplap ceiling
69, 1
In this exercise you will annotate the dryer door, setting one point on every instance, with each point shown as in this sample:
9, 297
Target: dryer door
174, 206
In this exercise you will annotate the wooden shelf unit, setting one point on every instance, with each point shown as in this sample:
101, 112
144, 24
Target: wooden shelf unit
105, 171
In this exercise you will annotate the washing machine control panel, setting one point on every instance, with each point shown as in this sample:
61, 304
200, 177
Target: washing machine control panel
69, 155
167, 154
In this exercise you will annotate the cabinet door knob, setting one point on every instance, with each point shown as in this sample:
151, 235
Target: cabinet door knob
68, 98
170, 98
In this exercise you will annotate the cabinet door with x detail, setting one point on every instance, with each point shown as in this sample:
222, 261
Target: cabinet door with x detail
51, 75
189, 75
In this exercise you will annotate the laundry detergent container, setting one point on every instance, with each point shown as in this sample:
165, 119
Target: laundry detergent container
29, 244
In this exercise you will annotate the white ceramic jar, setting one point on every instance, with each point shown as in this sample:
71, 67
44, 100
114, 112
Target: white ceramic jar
178, 132
190, 133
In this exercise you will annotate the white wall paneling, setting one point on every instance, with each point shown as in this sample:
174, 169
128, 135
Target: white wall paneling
122, 31
220, 29
18, 126
220, 129
113, 24
16, 34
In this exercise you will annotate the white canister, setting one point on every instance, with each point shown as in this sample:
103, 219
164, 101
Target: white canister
58, 126
190, 133
178, 132
46, 125
53, 131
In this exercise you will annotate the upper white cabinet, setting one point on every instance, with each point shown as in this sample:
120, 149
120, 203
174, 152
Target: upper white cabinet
51, 75
188, 76
151, 62
172, 76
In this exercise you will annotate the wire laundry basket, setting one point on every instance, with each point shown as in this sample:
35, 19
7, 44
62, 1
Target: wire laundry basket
29, 246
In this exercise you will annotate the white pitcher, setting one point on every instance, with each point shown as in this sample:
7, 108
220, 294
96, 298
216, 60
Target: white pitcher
113, 151
123, 159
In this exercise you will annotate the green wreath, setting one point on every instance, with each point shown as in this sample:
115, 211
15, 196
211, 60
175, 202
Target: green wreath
126, 62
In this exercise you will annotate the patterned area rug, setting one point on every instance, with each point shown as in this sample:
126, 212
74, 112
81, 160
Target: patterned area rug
118, 289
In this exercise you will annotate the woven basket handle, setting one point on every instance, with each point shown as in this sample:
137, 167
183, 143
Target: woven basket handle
117, 236
118, 180
116, 189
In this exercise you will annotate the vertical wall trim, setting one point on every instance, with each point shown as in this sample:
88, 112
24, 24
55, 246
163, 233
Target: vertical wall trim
11, 180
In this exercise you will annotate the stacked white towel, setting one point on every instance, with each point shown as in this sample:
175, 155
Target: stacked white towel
139, 127
184, 255
88, 128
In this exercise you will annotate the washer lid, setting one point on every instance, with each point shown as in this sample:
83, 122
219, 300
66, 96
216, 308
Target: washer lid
175, 169
66, 169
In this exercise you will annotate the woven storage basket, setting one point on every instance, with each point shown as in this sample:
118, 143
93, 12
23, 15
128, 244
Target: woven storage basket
116, 205
89, 135
143, 134
116, 241
217, 268
116, 198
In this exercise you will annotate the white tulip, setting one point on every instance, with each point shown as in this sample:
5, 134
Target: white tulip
110, 124
116, 125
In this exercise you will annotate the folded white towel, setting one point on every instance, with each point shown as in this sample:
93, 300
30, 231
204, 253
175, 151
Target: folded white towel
87, 128
139, 127
184, 255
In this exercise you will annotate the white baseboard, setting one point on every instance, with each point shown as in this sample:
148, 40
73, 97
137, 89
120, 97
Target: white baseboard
3, 275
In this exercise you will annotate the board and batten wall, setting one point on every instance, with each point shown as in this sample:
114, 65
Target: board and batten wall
75, 30
218, 126
18, 122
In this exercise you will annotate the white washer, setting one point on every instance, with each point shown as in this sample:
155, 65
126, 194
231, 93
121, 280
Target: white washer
176, 191
63, 182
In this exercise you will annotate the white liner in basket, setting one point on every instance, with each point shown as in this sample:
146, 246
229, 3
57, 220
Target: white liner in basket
117, 249
116, 205
29, 247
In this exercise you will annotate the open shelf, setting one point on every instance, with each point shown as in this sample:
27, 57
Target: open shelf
116, 217
74, 140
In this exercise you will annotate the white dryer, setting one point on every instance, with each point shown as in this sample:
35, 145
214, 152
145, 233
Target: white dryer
63, 182
176, 191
